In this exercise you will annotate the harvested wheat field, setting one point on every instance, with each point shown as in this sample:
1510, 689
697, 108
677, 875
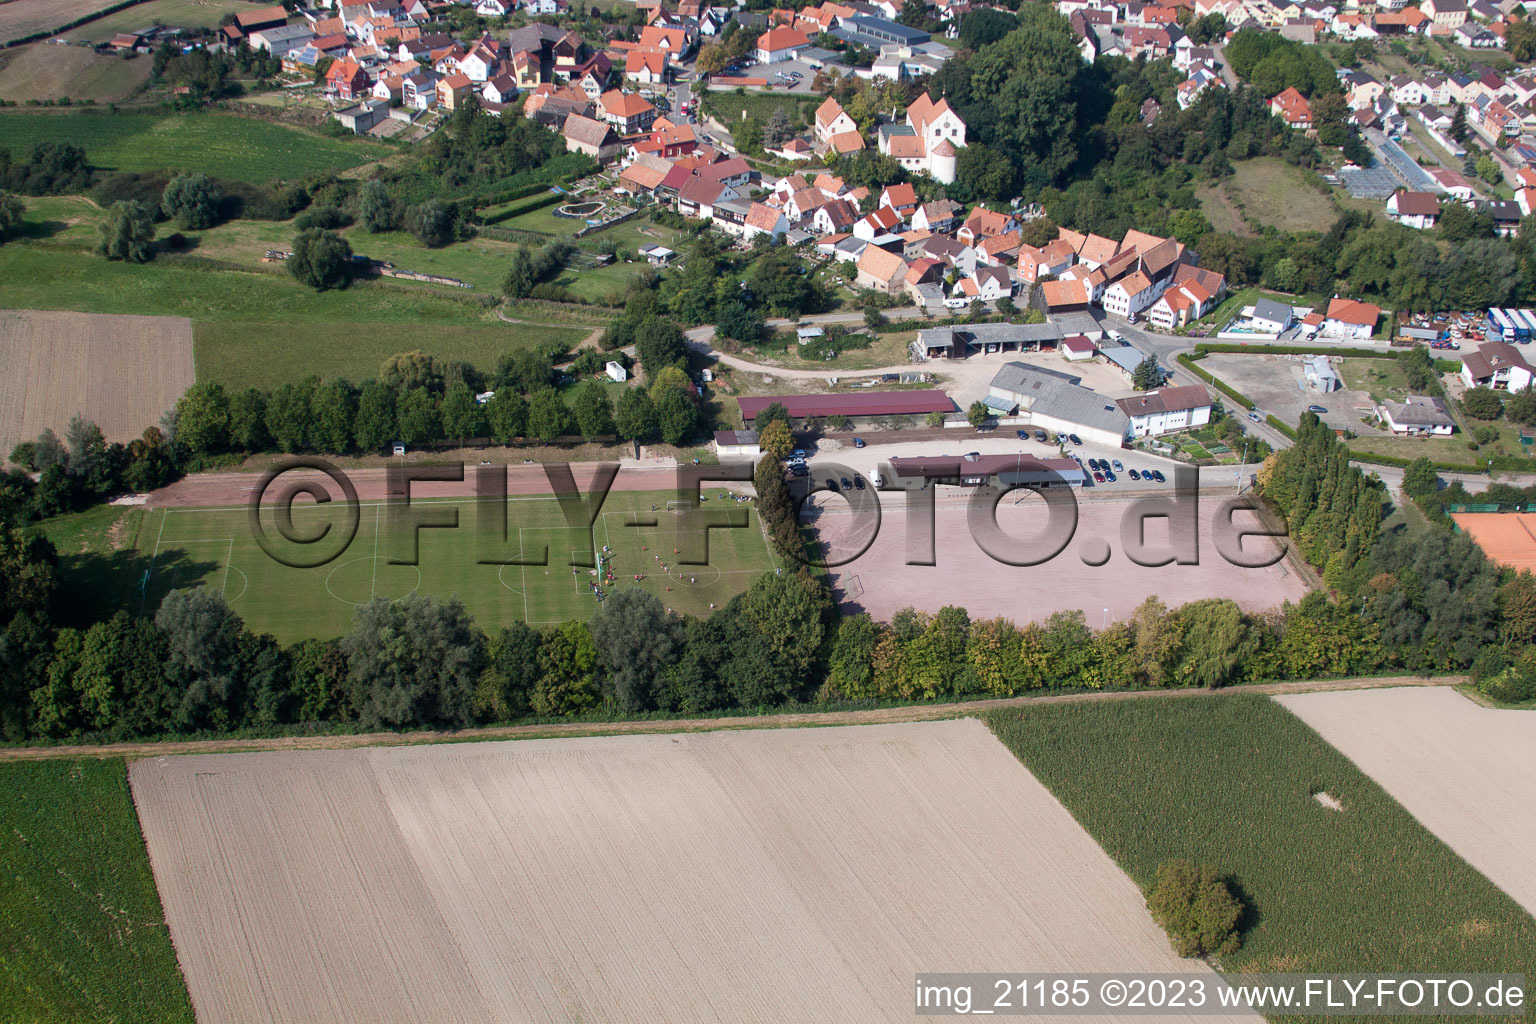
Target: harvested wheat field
124, 372
22, 18
1467, 772
788, 875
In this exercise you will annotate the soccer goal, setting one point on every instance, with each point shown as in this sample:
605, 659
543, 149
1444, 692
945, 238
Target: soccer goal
684, 505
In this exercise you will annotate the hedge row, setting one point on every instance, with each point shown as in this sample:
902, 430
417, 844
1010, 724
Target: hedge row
93, 16
550, 199
1280, 425
1402, 463
1204, 347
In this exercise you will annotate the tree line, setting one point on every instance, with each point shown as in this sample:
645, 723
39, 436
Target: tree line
419, 399
194, 668
1432, 599
1404, 597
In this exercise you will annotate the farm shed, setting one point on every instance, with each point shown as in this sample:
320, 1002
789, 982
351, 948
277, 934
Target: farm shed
736, 444
983, 470
1321, 376
861, 408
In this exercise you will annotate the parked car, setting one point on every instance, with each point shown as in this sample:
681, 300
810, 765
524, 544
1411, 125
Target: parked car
1098, 477
1023, 435
858, 442
1075, 440
847, 484
1317, 409
858, 482
1157, 475
1040, 436
798, 453
1118, 468
797, 469
973, 455
831, 484
1108, 475
1135, 475
1253, 414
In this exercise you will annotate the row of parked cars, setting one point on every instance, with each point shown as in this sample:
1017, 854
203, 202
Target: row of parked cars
1104, 471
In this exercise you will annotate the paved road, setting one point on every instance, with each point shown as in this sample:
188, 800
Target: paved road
1166, 347
1227, 74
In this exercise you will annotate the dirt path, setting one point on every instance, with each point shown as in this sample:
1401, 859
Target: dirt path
234, 488
700, 338
912, 713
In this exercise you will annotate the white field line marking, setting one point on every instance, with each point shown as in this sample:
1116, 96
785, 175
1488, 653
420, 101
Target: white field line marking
149, 573
522, 554
374, 583
228, 557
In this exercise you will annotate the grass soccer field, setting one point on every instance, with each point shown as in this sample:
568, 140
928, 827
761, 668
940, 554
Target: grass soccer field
82, 935
1232, 782
179, 548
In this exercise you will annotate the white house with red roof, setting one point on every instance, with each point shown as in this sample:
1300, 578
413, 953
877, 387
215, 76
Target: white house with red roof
627, 112
780, 44
1347, 318
1292, 108
928, 140
832, 119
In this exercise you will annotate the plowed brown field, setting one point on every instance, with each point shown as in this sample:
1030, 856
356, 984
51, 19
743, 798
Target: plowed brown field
794, 875
123, 372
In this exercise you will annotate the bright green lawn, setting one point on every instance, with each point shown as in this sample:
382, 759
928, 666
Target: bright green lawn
215, 547
263, 328
182, 13
1229, 781
82, 934
238, 148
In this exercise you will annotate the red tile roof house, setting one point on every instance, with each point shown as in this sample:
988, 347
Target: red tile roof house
1292, 108
882, 271
1350, 319
1077, 348
901, 198
265, 17
627, 112
1498, 365
1418, 210
594, 138
855, 406
347, 79
780, 44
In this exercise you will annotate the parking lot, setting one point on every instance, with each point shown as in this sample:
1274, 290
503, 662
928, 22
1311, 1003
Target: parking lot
1277, 385
781, 75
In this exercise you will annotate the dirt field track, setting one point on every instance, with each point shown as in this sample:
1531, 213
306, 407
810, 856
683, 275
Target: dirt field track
798, 875
21, 18
881, 583
123, 372
1467, 772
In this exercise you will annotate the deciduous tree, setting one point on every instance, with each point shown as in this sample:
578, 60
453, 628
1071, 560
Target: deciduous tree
128, 233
